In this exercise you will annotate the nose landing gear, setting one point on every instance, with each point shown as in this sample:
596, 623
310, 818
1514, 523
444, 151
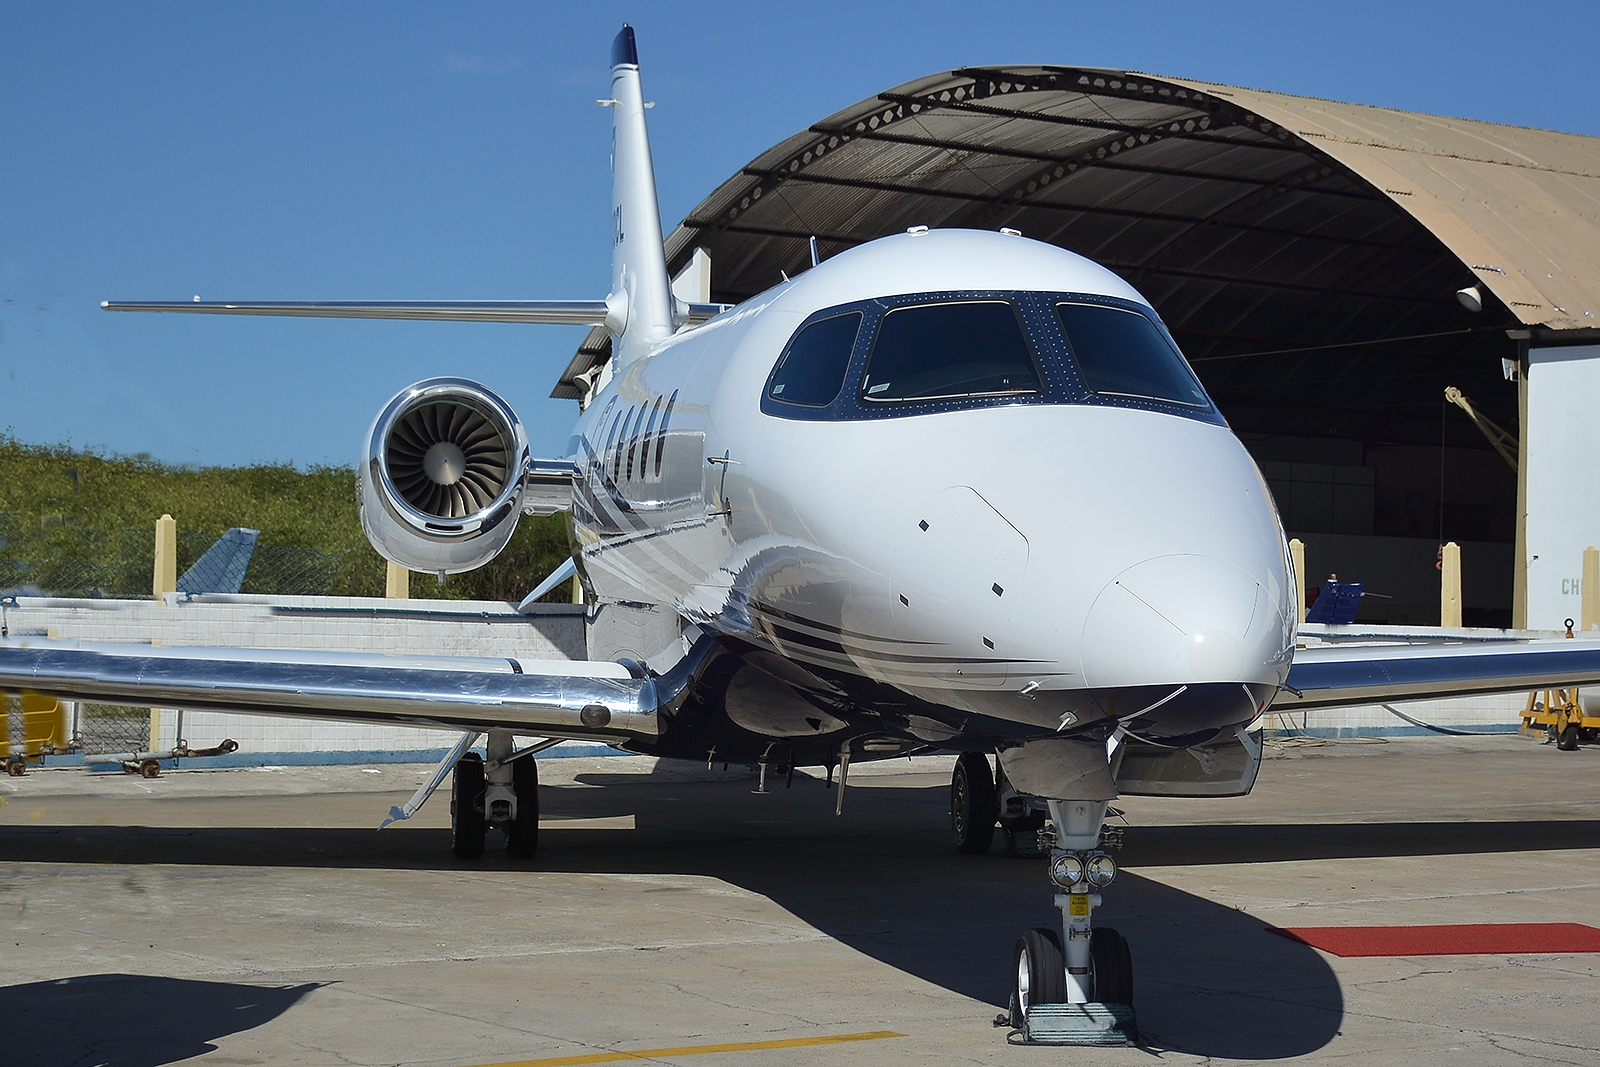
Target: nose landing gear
1077, 989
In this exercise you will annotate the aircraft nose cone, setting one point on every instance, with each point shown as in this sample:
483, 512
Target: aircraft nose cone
1180, 619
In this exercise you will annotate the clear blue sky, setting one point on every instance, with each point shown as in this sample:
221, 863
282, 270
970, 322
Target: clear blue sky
407, 151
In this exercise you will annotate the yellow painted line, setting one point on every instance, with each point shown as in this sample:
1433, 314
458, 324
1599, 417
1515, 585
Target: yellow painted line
696, 1050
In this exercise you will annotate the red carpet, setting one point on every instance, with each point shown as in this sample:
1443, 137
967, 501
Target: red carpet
1469, 940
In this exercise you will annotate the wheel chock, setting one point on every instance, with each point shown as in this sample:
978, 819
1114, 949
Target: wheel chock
1080, 1024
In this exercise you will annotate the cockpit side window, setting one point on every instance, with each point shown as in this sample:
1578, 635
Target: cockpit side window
950, 350
812, 371
1122, 353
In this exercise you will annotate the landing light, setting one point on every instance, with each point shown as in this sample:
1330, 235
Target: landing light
1066, 871
1101, 870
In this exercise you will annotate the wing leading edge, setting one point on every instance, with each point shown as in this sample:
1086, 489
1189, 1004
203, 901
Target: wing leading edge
551, 698
1341, 675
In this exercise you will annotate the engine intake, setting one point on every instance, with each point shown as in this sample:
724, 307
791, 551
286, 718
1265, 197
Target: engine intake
442, 478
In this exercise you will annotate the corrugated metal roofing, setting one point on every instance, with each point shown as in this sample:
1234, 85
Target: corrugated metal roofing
1263, 227
1520, 206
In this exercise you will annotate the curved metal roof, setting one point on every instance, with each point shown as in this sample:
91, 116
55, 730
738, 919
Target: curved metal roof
1305, 252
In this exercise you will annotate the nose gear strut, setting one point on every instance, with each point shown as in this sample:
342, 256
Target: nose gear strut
1074, 987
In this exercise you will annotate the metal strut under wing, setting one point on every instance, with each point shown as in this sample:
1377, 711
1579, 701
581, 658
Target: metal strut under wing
551, 698
1340, 675
556, 312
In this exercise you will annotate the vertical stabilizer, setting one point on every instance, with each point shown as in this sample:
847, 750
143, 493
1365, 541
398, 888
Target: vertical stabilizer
640, 305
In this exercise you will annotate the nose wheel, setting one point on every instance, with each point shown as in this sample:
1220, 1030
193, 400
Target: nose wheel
1076, 987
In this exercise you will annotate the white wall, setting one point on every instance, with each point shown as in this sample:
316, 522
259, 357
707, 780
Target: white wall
1562, 458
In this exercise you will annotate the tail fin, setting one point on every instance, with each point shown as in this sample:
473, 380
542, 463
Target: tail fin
640, 307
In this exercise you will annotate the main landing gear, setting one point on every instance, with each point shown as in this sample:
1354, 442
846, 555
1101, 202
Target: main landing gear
502, 793
1072, 986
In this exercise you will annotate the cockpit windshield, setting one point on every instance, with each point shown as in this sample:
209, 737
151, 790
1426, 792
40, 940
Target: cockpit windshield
925, 353
1121, 353
939, 351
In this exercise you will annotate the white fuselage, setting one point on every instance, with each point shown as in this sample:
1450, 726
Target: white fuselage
1019, 560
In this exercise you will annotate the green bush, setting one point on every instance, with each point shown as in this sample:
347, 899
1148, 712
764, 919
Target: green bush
83, 512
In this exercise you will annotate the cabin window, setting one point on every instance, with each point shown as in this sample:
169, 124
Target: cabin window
622, 441
661, 434
812, 372
1123, 353
611, 438
945, 351
644, 450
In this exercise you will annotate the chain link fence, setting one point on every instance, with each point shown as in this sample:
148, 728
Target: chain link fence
100, 728
62, 558
104, 728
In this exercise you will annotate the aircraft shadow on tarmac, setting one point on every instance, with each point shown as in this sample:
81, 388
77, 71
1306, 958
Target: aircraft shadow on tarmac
131, 1020
884, 880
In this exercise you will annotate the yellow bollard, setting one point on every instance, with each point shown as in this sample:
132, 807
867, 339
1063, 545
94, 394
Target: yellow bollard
398, 586
165, 577
164, 580
1591, 588
1450, 585
1297, 557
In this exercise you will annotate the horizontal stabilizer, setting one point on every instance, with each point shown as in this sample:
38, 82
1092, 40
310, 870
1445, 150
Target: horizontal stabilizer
552, 312
557, 312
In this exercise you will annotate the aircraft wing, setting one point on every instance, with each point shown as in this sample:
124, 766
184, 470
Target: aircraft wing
550, 698
557, 312
1338, 674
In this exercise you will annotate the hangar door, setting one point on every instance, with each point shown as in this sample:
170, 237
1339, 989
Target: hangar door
1562, 455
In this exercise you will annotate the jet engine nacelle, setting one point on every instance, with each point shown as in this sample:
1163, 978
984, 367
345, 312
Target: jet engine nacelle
442, 479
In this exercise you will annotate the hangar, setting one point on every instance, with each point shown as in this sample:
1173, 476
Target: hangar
1306, 254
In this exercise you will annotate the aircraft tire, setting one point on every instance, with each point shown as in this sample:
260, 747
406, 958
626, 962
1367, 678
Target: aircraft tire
522, 835
1113, 966
467, 825
972, 804
1039, 972
1568, 741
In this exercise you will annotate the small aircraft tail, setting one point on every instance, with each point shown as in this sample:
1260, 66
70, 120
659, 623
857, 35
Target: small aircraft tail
640, 309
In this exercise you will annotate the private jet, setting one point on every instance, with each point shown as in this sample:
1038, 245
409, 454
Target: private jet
949, 491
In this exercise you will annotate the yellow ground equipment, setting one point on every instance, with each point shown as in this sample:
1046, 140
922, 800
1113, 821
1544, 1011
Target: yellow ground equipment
1559, 715
35, 725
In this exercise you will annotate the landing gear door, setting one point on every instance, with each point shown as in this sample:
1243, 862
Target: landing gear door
1223, 767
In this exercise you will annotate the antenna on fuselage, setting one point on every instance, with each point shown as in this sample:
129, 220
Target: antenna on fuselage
640, 309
